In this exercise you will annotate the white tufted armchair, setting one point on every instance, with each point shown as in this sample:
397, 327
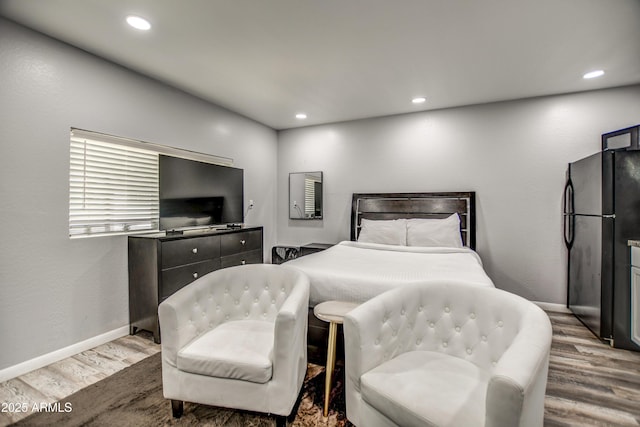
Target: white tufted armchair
446, 355
237, 338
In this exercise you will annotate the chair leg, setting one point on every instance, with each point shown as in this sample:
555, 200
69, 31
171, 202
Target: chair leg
281, 421
177, 408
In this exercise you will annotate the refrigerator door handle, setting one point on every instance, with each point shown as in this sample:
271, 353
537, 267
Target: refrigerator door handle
569, 223
569, 218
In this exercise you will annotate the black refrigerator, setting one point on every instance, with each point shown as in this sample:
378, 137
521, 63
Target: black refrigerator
601, 213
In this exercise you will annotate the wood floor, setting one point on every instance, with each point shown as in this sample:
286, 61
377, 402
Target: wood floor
590, 383
63, 378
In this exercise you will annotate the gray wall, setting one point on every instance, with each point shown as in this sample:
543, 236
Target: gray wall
54, 291
513, 154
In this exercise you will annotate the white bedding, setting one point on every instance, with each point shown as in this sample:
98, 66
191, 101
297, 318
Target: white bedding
356, 272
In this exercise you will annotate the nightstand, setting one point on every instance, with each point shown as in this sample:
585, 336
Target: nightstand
310, 248
280, 254
284, 253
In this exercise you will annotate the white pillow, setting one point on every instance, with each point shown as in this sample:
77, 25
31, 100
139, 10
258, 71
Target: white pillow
434, 232
388, 232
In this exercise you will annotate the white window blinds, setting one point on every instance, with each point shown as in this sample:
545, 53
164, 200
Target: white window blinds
113, 186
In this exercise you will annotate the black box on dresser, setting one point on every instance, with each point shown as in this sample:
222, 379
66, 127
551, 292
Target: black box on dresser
160, 265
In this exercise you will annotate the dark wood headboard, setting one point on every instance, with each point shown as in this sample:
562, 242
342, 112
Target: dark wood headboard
382, 206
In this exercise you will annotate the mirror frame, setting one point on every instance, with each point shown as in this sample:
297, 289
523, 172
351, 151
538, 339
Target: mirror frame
290, 207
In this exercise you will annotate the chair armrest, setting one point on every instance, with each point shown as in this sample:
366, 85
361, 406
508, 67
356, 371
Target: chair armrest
290, 334
518, 381
290, 347
374, 333
174, 315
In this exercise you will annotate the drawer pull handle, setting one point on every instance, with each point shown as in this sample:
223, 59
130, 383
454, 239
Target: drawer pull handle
243, 262
195, 275
194, 250
242, 242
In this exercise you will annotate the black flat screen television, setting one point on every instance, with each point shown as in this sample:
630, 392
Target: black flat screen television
197, 194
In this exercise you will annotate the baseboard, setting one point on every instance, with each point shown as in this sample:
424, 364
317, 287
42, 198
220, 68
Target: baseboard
550, 306
49, 358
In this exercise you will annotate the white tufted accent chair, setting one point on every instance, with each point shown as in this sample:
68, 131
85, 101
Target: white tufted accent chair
237, 338
446, 355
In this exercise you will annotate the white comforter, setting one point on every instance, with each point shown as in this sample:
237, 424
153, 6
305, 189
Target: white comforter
356, 272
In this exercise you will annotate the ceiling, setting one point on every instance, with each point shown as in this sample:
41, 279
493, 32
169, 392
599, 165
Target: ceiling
338, 60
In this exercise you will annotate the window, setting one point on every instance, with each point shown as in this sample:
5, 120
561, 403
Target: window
309, 197
113, 187
114, 183
313, 195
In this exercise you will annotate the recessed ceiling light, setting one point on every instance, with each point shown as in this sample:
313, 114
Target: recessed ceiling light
419, 100
138, 23
301, 116
593, 74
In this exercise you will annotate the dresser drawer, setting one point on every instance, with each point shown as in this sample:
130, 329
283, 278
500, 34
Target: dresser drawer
176, 278
240, 242
188, 251
251, 257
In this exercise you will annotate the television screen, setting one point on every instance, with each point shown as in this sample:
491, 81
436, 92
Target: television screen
198, 194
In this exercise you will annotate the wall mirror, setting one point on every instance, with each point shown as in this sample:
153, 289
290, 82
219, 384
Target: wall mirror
305, 195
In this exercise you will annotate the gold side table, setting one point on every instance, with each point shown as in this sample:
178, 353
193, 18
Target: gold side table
332, 312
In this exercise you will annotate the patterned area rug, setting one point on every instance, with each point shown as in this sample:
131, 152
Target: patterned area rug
133, 397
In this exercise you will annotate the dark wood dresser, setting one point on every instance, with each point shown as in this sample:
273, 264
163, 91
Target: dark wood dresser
159, 265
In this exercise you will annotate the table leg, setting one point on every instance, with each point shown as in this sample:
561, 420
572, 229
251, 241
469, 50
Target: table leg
331, 363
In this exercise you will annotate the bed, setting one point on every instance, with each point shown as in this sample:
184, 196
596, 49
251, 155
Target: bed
356, 272
377, 259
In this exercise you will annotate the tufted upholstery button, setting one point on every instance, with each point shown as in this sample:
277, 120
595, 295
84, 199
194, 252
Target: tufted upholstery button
237, 302
431, 325
264, 314
246, 314
266, 287
226, 317
255, 300
472, 315
273, 301
420, 308
457, 328
500, 324
394, 333
494, 363
402, 311
377, 342
445, 344
469, 351
246, 287
282, 289
484, 338
418, 341
218, 307
447, 309
226, 291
